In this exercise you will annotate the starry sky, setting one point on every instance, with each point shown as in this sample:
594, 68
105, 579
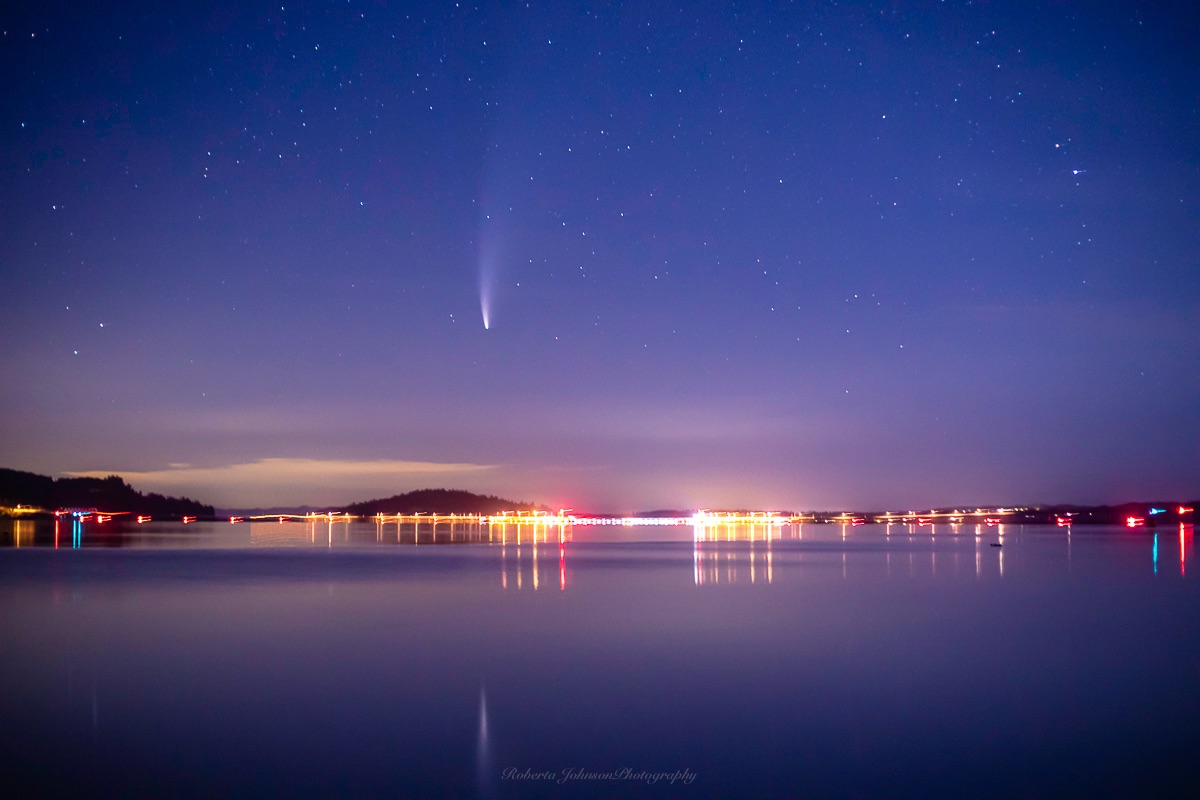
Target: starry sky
771, 255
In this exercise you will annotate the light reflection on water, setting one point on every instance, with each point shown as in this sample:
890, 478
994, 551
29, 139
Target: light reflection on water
533, 553
329, 659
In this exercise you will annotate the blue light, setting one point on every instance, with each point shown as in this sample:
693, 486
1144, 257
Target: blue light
1154, 511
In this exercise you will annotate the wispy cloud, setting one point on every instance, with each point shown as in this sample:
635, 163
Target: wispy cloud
279, 481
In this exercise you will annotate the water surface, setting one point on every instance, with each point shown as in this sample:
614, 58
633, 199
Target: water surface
330, 659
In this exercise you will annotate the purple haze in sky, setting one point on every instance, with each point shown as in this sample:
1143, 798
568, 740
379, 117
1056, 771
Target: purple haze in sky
772, 256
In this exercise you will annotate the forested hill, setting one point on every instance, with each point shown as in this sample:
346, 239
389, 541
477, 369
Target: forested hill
106, 494
437, 501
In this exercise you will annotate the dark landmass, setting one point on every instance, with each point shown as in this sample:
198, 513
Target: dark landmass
29, 490
438, 501
48, 494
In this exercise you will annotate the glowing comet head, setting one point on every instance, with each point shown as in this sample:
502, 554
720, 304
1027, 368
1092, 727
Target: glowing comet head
483, 306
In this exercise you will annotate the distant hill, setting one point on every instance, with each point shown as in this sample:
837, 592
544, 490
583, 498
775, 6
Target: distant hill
437, 501
106, 494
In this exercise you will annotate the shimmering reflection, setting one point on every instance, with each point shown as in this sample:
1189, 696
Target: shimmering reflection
524, 550
532, 552
719, 562
737, 553
1185, 533
484, 763
22, 532
753, 555
524, 564
282, 534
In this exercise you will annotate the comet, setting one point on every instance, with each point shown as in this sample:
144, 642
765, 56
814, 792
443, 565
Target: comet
485, 293
489, 256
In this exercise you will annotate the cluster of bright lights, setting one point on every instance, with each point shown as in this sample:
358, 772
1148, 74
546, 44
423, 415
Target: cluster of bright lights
327, 516
563, 517
88, 514
627, 521
702, 518
953, 516
745, 518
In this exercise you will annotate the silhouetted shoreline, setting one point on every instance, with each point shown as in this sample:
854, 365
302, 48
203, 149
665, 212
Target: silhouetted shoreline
28, 494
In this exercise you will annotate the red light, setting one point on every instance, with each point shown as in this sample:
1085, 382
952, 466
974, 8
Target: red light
1185, 510
1133, 522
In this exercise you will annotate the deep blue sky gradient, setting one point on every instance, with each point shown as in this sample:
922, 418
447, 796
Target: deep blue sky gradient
775, 255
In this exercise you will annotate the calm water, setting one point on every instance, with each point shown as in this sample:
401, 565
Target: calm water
356, 660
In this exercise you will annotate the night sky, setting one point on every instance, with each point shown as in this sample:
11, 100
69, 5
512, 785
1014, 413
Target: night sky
767, 255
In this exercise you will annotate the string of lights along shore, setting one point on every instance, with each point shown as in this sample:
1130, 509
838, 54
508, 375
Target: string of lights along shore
620, 257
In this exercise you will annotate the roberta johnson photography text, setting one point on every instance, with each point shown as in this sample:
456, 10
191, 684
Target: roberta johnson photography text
684, 776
